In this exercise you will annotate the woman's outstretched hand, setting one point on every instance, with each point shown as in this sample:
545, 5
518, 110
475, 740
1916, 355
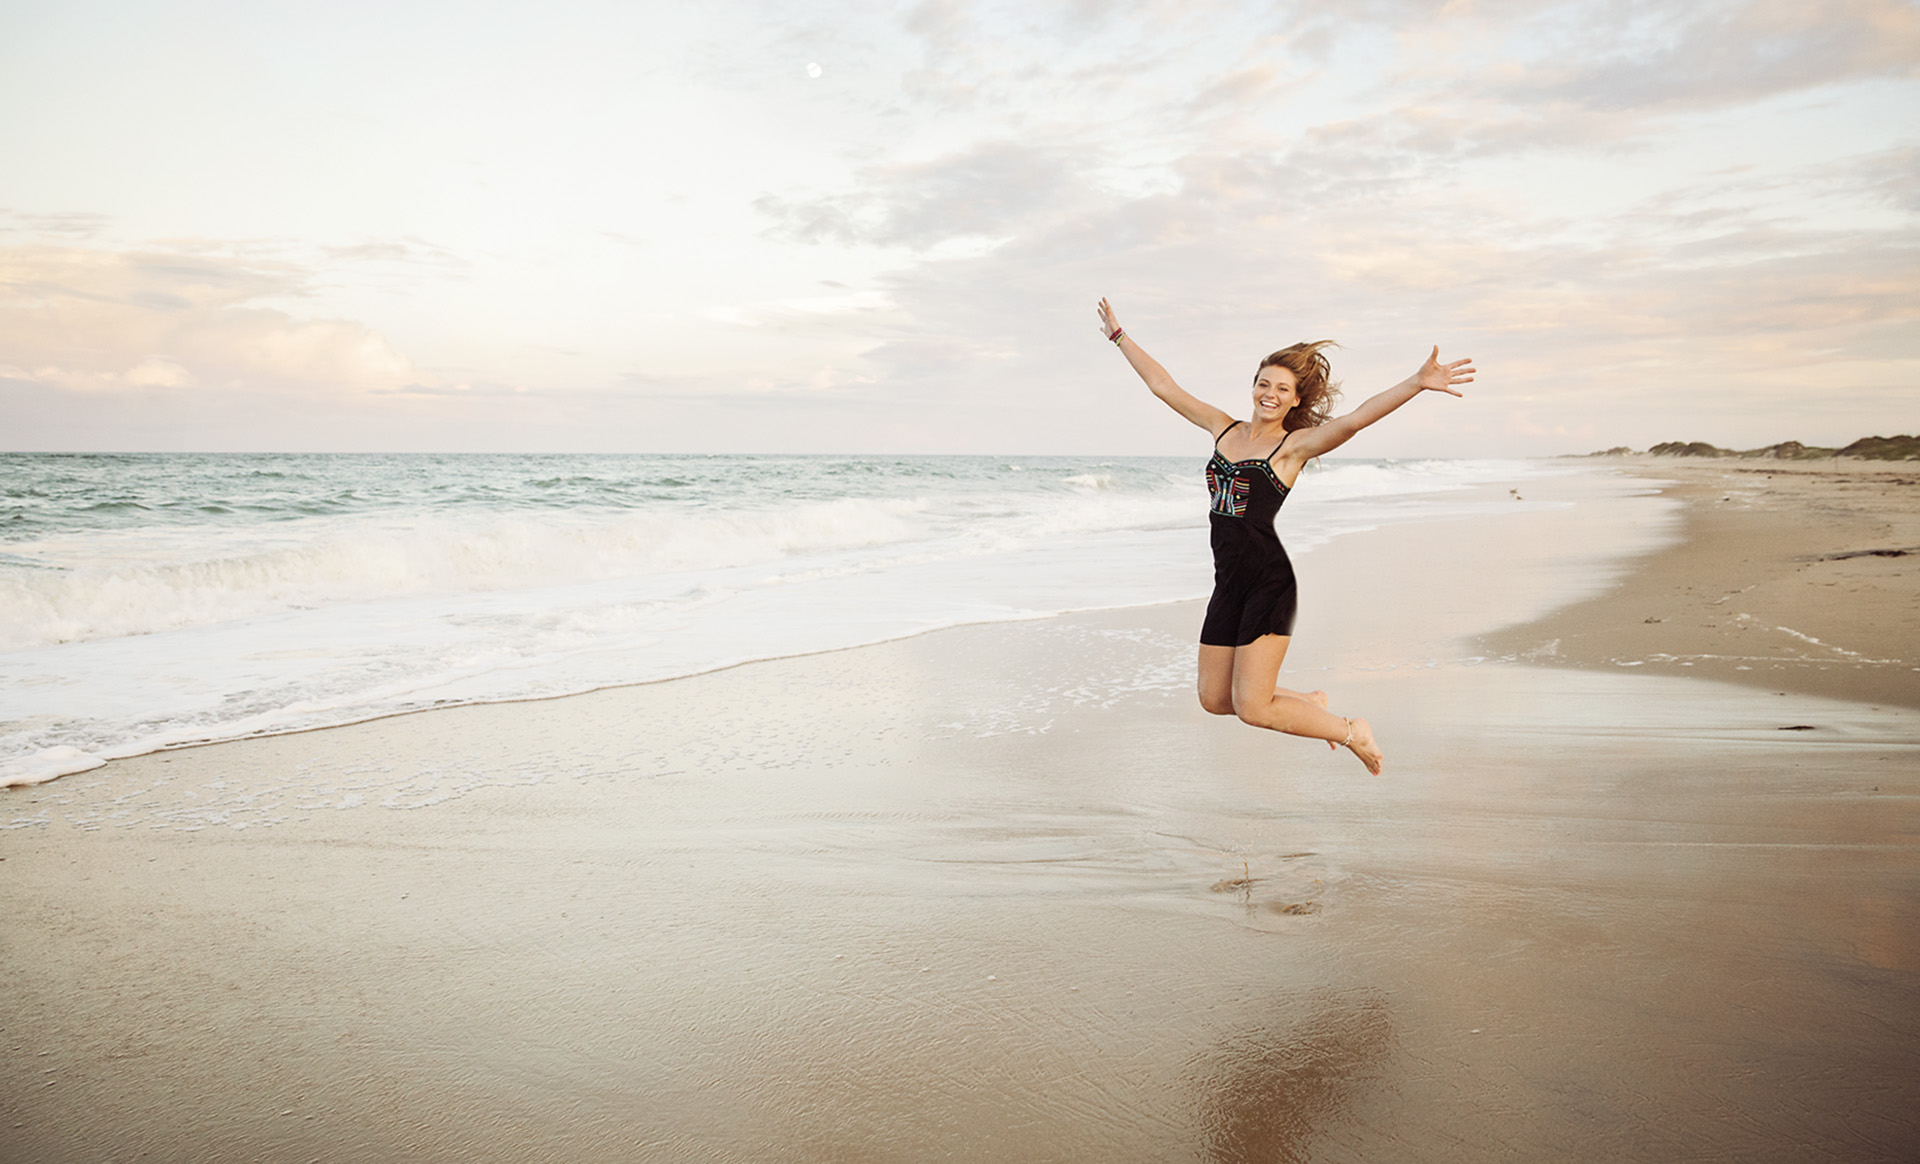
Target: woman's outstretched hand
1438, 377
1108, 324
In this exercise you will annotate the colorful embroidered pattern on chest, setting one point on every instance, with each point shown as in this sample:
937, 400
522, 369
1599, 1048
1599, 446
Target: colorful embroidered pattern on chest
1229, 483
1228, 487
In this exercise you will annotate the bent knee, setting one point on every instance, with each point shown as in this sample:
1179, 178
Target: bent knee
1254, 710
1216, 705
1244, 707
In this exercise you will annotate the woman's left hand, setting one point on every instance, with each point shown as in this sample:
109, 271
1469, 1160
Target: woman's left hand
1438, 377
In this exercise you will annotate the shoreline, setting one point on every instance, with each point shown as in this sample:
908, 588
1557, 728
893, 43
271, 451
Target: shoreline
1786, 576
1004, 892
1709, 548
92, 761
64, 759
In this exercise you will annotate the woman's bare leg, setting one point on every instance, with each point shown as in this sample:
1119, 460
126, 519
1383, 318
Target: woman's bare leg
1256, 701
1216, 679
1216, 683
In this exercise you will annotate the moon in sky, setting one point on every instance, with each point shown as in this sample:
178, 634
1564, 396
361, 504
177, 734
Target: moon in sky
813, 69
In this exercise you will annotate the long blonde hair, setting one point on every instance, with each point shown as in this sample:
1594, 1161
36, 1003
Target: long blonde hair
1314, 376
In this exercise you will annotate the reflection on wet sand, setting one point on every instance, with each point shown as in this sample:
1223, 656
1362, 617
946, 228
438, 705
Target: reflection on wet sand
1267, 1093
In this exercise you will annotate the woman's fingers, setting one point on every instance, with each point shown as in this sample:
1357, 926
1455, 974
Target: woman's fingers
1457, 372
1460, 372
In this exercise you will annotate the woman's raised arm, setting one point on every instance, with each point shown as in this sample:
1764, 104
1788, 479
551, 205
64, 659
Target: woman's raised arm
1433, 376
1158, 382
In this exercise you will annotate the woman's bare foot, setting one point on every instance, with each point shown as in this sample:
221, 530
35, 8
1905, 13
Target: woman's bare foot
1360, 741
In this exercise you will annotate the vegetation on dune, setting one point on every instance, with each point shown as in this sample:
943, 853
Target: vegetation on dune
1893, 448
1873, 448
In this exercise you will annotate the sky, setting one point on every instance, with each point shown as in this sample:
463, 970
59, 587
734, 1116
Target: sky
746, 226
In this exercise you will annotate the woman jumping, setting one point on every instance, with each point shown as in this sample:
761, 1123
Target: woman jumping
1255, 464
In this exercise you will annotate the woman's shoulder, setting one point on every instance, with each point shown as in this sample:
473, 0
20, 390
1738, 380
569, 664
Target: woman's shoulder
1292, 448
1290, 440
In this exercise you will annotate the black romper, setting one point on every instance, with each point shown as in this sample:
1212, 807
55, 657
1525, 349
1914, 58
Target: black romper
1253, 587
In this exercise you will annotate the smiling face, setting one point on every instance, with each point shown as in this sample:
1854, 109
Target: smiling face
1275, 392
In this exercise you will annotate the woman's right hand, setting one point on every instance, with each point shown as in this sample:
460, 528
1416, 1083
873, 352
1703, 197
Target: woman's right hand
1201, 413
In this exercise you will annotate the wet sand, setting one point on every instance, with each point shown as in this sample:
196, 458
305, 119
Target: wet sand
1005, 893
1786, 575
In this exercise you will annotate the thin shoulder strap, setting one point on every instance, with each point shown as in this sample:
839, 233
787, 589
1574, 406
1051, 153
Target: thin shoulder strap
1276, 448
1225, 431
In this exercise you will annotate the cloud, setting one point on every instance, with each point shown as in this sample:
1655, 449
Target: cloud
158, 373
992, 189
1228, 218
1888, 176
1033, 67
98, 320
1473, 82
1657, 56
412, 252
461, 390
69, 225
1606, 334
1237, 90
1622, 207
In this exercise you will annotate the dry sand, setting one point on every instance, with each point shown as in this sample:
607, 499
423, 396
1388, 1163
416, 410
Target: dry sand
1005, 893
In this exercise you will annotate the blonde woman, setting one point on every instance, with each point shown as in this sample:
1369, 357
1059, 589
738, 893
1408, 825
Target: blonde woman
1254, 466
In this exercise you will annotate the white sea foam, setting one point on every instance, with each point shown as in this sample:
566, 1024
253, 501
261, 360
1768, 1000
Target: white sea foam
142, 584
159, 601
46, 764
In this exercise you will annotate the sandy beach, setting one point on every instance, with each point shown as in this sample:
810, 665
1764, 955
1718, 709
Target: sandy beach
1794, 575
1004, 892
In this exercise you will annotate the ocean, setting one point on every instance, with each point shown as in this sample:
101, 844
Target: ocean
150, 601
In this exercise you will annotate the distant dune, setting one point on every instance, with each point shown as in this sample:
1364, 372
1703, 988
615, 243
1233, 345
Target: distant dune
1873, 448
